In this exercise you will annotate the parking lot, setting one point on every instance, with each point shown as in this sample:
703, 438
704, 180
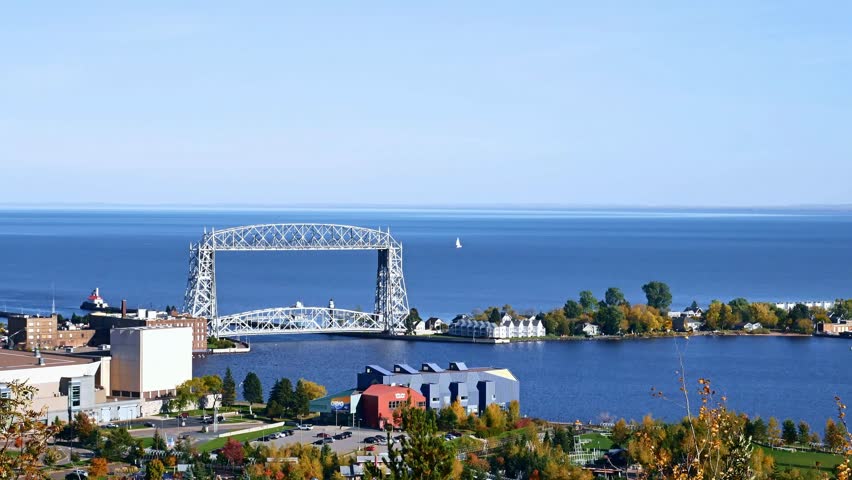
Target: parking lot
346, 445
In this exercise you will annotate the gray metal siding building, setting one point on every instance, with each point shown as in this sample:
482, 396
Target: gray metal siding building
474, 388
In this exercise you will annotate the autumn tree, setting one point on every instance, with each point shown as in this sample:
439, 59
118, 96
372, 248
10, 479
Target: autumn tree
833, 435
620, 432
23, 431
99, 468
313, 390
233, 452
804, 432
155, 470
773, 432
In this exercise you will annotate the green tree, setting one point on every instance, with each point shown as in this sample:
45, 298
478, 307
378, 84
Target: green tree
609, 319
155, 470
788, 432
252, 389
572, 309
422, 454
120, 446
658, 295
158, 442
229, 389
411, 321
799, 312
614, 297
804, 432
494, 316
301, 398
447, 419
757, 430
588, 301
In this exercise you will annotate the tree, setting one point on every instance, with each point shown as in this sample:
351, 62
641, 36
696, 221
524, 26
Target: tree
658, 295
120, 445
411, 321
804, 432
799, 312
155, 470
620, 433
301, 399
422, 454
158, 442
588, 301
609, 319
804, 325
229, 389
98, 468
22, 430
773, 433
741, 308
494, 316
834, 436
313, 390
572, 309
614, 297
233, 452
788, 432
763, 314
280, 401
252, 389
757, 430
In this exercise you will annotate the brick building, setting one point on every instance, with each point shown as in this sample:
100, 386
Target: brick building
103, 323
44, 332
379, 402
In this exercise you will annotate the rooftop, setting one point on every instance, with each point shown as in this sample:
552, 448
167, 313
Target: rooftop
17, 360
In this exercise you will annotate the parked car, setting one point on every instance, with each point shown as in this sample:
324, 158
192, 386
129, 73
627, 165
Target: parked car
346, 434
151, 424
77, 475
328, 440
220, 418
287, 433
319, 442
205, 417
370, 440
370, 448
306, 426
111, 425
323, 435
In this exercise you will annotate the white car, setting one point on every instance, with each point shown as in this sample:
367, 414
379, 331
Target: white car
306, 426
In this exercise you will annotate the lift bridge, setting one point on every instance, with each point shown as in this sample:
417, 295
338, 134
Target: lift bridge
391, 306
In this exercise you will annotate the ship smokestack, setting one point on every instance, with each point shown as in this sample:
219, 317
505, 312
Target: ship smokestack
123, 308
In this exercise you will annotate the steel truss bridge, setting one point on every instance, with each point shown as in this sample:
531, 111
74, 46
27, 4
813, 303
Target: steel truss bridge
391, 305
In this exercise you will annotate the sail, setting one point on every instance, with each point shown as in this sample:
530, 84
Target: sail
458, 243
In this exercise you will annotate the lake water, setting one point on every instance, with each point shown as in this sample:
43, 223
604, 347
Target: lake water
530, 259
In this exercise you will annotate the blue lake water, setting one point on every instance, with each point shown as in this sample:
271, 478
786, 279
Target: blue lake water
530, 259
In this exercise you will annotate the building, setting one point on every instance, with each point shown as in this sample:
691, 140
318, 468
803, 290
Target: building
824, 304
687, 324
428, 327
591, 330
104, 322
835, 328
473, 388
29, 332
378, 403
508, 327
750, 327
149, 362
66, 385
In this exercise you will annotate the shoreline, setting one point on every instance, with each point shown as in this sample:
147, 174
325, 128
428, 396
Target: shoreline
491, 341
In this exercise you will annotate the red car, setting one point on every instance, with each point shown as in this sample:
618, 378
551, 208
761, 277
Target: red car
323, 435
370, 448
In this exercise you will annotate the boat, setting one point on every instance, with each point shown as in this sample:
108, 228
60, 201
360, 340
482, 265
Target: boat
95, 302
458, 243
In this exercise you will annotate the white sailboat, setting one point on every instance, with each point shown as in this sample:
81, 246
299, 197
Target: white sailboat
458, 243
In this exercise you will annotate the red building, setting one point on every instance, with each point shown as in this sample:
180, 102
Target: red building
378, 403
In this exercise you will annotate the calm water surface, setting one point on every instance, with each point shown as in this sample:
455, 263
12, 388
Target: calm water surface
530, 259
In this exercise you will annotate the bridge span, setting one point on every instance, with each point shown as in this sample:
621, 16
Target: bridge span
391, 300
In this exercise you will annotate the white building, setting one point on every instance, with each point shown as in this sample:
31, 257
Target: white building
824, 304
150, 362
591, 329
66, 385
463, 326
750, 327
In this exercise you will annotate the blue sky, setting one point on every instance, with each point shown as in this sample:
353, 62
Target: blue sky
436, 103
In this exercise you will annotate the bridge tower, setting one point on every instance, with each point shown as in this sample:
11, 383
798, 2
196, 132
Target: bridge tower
391, 302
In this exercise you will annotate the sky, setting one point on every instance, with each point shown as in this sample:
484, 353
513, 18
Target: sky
426, 103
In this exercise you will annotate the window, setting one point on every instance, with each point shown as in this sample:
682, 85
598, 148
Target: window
394, 404
421, 404
75, 395
435, 399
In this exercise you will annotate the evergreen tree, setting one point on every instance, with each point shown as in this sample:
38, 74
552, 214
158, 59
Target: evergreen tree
301, 400
252, 389
422, 454
804, 432
494, 316
229, 389
158, 443
788, 432
285, 396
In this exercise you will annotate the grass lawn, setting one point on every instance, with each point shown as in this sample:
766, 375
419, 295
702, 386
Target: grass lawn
803, 460
147, 442
220, 442
596, 441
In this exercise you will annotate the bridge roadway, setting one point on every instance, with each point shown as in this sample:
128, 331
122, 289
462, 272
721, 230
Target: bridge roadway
296, 320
